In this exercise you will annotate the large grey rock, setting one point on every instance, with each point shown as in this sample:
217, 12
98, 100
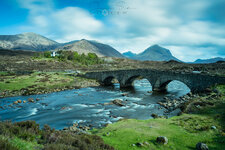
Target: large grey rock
162, 140
118, 102
201, 146
140, 144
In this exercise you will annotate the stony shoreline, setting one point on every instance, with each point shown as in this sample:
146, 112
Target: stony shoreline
181, 103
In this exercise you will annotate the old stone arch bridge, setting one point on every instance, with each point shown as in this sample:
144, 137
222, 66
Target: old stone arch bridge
158, 79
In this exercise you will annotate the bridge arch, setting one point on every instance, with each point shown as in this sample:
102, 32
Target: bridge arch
162, 86
108, 81
130, 81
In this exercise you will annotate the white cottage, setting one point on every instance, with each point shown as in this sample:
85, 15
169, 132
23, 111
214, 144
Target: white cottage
54, 53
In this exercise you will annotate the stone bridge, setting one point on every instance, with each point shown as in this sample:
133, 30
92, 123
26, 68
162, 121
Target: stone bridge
159, 79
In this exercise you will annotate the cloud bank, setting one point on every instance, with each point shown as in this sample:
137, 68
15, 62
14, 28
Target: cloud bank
190, 29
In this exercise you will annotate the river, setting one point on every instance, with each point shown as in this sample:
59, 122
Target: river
85, 106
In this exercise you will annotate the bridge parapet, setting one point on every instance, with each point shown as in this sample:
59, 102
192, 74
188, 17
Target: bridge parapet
158, 79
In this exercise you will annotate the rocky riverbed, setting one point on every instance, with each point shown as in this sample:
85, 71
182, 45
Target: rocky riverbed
96, 106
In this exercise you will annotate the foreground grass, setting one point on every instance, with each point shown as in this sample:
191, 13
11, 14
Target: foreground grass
183, 132
28, 136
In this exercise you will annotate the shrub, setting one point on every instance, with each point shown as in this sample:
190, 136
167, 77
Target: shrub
49, 138
6, 145
47, 54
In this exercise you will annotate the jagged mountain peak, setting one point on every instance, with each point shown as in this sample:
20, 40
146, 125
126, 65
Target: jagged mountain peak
156, 53
27, 41
88, 46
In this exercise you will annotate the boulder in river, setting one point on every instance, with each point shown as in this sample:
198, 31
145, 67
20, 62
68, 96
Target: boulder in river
19, 101
162, 140
31, 100
118, 102
124, 94
15, 103
24, 101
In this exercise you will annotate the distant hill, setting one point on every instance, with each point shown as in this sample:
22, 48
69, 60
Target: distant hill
129, 54
27, 41
87, 46
212, 60
155, 53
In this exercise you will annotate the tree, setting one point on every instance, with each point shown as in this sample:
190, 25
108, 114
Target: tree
47, 54
76, 56
92, 56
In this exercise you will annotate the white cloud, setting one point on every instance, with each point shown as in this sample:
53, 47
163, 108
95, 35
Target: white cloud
37, 6
67, 24
72, 21
188, 54
179, 25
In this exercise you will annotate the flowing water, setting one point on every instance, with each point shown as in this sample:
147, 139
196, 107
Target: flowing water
85, 106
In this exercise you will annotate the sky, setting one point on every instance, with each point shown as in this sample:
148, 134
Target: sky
190, 29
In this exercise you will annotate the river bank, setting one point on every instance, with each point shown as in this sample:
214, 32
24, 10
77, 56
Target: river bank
201, 120
12, 84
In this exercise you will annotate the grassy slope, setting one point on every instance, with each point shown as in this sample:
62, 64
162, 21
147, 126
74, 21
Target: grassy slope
183, 132
12, 82
44, 81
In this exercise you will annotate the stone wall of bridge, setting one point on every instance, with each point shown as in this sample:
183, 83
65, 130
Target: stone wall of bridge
158, 79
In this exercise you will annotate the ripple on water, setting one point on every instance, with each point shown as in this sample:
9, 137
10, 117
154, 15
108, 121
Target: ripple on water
67, 107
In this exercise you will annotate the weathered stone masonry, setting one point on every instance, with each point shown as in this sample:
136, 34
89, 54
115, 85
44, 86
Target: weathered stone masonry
158, 79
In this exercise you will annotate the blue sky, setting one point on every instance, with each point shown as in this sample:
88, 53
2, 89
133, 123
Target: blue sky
191, 29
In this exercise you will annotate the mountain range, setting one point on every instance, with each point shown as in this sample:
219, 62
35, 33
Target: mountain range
212, 60
153, 53
35, 42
